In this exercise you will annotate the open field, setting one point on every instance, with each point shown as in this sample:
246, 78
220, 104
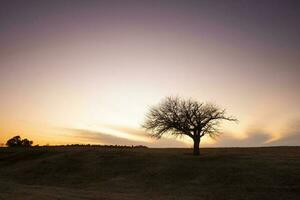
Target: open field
107, 173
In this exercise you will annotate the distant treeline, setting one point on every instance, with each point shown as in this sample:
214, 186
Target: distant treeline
17, 141
95, 145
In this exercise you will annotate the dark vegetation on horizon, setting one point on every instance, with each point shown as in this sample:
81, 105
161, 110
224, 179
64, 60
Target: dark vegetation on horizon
16, 141
96, 145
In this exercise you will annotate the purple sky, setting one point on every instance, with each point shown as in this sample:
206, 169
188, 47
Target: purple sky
86, 71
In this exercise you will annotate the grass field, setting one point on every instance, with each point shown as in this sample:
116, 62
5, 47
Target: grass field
108, 173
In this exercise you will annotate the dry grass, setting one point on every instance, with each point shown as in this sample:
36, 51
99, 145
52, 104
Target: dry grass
107, 173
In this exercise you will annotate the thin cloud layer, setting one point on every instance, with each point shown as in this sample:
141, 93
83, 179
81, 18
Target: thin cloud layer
96, 137
126, 129
253, 139
289, 137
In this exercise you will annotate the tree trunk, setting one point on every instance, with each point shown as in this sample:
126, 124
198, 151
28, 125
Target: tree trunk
196, 147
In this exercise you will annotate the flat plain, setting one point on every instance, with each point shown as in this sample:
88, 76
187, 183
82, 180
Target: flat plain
146, 173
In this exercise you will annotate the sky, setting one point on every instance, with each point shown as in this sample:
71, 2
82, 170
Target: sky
88, 71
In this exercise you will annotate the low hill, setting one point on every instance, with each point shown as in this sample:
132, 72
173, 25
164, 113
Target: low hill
141, 173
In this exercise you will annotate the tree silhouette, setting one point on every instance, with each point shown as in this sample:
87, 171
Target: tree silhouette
178, 116
26, 143
18, 142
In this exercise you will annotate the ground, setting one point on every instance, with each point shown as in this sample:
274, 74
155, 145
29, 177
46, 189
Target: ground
128, 173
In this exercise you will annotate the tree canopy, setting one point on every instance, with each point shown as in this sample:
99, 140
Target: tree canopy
16, 141
178, 116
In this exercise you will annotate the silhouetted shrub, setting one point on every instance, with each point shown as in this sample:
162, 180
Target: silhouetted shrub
18, 142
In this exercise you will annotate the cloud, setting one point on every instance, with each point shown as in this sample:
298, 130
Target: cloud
293, 139
289, 137
88, 136
253, 139
162, 142
126, 129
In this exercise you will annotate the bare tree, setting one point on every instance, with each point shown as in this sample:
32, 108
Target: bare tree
178, 116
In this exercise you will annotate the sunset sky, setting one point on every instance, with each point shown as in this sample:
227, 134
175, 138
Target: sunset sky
87, 71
